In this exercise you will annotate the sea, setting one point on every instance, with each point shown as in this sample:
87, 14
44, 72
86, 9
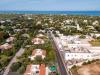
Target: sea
89, 13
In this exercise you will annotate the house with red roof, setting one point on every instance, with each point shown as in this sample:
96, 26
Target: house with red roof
36, 70
38, 52
42, 69
32, 70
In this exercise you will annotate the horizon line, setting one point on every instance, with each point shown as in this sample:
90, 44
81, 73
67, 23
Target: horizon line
49, 10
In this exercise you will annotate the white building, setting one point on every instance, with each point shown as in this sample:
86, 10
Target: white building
38, 41
39, 22
38, 52
70, 56
40, 35
85, 21
78, 45
32, 70
94, 49
36, 70
76, 49
10, 39
95, 23
2, 21
5, 46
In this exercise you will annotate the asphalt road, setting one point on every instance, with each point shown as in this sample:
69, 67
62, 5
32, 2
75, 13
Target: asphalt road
19, 53
62, 67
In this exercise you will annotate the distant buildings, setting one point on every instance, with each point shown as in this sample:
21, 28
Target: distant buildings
2, 21
38, 41
95, 23
10, 39
5, 46
39, 22
40, 35
85, 21
96, 35
41, 31
26, 35
78, 27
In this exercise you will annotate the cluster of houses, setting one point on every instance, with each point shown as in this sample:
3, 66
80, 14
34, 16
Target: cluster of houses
37, 69
76, 50
8, 44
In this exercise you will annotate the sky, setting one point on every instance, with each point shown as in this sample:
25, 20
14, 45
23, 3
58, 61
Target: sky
46, 5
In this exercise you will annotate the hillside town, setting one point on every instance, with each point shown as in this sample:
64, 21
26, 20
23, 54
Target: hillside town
49, 44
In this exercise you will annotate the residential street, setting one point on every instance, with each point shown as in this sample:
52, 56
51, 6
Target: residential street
19, 53
62, 67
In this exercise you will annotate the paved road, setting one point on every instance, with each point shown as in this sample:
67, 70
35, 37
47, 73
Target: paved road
19, 53
62, 67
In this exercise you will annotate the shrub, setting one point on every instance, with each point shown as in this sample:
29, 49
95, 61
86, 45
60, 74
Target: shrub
15, 66
74, 67
82, 36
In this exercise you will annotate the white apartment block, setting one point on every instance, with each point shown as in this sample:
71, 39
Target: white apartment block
78, 56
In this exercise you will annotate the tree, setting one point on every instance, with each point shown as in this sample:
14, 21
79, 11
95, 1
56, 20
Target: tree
84, 63
98, 38
1, 35
15, 66
74, 67
38, 59
6, 35
82, 36
21, 70
4, 60
98, 28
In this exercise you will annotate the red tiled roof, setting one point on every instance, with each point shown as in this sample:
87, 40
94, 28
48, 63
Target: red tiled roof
43, 52
28, 70
42, 69
33, 52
